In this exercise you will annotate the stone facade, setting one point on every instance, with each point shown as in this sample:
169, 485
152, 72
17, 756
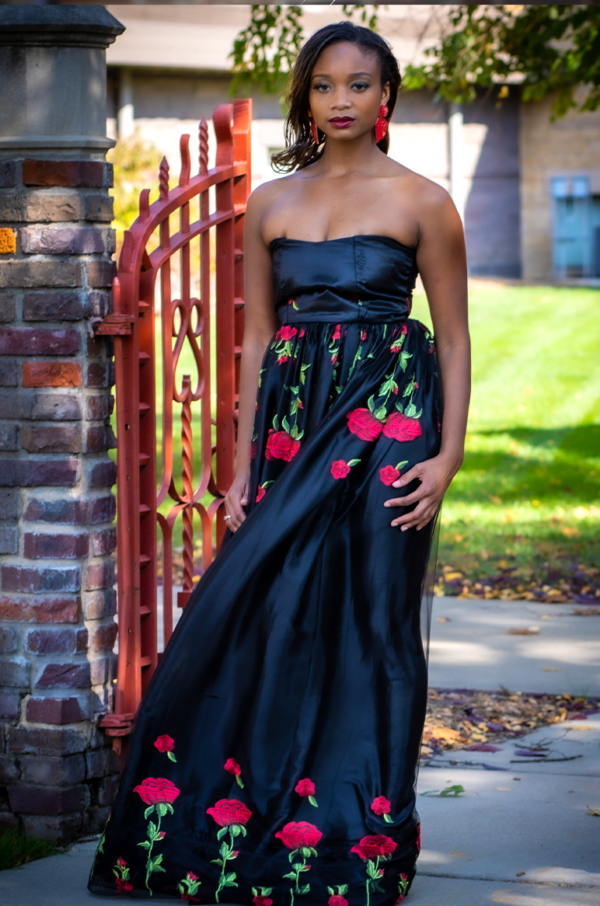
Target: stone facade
57, 602
570, 146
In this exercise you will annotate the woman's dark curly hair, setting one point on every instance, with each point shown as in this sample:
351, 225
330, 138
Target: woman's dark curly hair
300, 149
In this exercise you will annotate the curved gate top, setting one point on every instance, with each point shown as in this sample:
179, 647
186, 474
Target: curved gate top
178, 292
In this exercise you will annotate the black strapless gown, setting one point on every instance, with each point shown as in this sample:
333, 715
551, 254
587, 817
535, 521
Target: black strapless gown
273, 759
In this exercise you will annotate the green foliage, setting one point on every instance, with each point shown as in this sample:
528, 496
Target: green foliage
136, 167
16, 849
547, 49
263, 52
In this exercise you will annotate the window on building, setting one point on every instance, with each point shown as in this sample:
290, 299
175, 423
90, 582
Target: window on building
575, 228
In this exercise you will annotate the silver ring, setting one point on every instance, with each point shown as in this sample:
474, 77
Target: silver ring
227, 517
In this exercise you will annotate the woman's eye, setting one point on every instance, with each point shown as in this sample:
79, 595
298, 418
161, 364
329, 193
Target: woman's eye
360, 85
320, 85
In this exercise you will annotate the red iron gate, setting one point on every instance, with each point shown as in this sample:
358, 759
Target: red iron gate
185, 321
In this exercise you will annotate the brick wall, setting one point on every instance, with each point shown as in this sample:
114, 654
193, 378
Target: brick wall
57, 602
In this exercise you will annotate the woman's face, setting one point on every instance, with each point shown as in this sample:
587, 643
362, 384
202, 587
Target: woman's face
345, 91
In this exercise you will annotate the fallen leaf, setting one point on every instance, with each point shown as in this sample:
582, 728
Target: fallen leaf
593, 811
531, 630
481, 747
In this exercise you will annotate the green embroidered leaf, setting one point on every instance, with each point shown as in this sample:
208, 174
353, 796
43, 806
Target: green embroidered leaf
221, 833
295, 390
243, 830
157, 860
380, 413
402, 464
300, 435
313, 801
239, 780
148, 811
387, 818
372, 871
265, 484
162, 809
151, 830
293, 855
305, 889
294, 431
254, 892
146, 844
313, 851
342, 889
285, 424
376, 885
224, 850
371, 402
171, 756
294, 306
159, 868
217, 862
384, 329
291, 874
419, 413
193, 886
235, 830
181, 888
276, 422
404, 358
353, 462
331, 891
411, 410
265, 891
297, 866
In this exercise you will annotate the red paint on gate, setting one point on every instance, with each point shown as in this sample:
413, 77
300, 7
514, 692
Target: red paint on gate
132, 324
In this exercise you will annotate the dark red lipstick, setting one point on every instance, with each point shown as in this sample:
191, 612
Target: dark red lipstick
341, 122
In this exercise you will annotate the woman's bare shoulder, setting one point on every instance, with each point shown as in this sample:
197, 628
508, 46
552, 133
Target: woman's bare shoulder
270, 200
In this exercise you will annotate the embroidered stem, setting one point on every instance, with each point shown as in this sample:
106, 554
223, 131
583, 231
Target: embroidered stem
149, 863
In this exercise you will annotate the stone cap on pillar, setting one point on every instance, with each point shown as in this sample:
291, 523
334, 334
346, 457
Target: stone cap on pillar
53, 78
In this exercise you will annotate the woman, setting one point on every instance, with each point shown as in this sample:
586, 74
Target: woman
274, 755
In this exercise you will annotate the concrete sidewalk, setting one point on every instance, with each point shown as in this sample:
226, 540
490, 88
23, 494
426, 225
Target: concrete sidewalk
521, 833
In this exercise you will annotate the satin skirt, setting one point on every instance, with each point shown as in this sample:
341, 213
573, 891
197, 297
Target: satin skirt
273, 758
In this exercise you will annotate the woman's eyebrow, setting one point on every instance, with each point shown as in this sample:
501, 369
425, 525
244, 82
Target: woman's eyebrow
326, 75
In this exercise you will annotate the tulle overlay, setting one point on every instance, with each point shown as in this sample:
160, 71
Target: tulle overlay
273, 759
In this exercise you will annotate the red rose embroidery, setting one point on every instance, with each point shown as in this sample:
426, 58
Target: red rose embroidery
401, 427
337, 900
299, 833
286, 332
281, 445
388, 475
166, 744
405, 326
259, 900
339, 468
399, 900
305, 787
403, 877
123, 886
334, 359
154, 790
230, 811
381, 805
375, 846
282, 358
302, 332
232, 766
395, 348
261, 493
363, 334
122, 862
336, 333
364, 424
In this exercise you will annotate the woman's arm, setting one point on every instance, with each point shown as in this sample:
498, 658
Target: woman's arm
259, 327
442, 262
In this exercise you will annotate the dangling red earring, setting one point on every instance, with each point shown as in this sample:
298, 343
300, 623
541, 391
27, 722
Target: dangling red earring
313, 131
381, 124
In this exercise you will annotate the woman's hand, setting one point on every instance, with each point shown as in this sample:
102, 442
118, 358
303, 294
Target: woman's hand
236, 498
435, 476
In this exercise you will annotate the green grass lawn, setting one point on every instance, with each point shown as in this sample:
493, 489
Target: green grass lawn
528, 491
17, 848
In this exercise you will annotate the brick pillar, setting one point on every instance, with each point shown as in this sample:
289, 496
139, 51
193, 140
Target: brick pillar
57, 602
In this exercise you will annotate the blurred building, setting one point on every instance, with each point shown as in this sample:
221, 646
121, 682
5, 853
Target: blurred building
528, 189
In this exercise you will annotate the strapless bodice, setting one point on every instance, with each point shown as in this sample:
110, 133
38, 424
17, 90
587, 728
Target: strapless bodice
366, 278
